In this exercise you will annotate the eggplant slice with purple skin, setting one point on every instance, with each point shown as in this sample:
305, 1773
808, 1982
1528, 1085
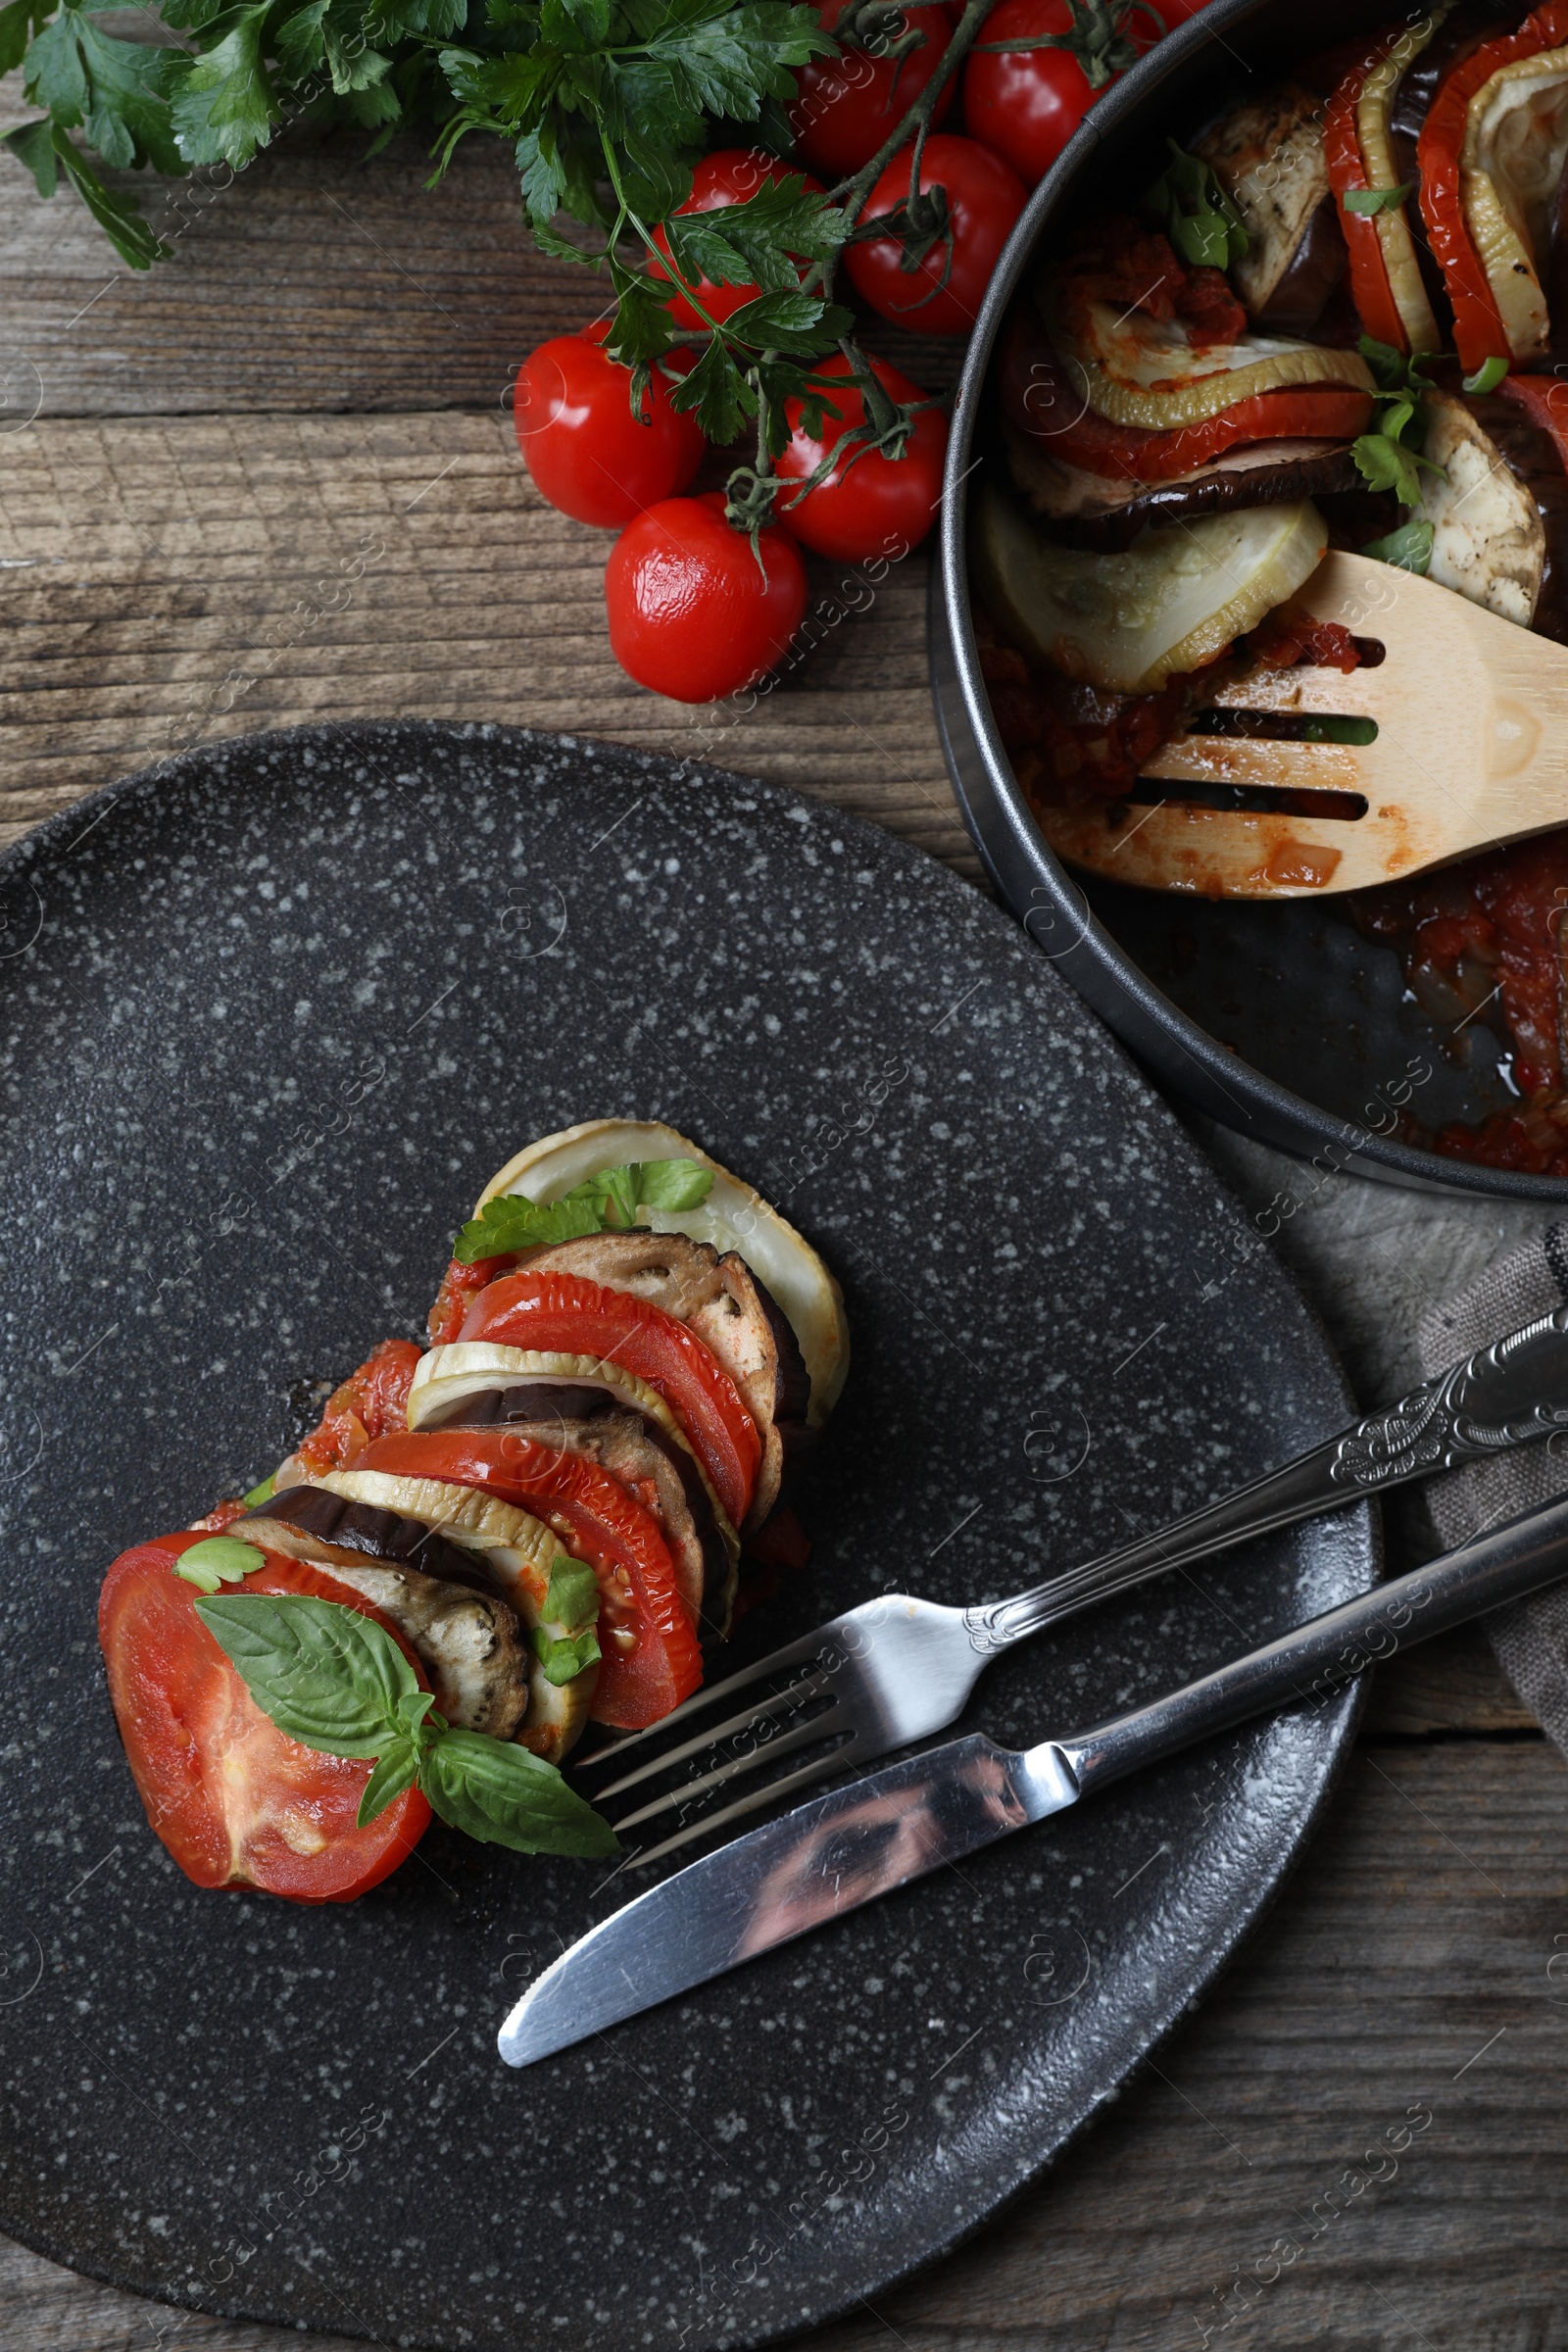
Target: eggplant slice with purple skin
1498, 510
1102, 516
1268, 157
468, 1638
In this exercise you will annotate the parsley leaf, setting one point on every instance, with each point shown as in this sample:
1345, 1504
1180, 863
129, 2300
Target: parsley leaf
220, 1560
48, 151
564, 1657
1408, 549
1367, 201
222, 102
572, 1596
1188, 204
612, 1196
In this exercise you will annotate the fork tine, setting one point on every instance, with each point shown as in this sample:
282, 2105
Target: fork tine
787, 1786
777, 1661
821, 1727
780, 1704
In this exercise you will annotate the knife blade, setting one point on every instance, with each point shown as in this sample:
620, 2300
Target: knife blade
862, 1841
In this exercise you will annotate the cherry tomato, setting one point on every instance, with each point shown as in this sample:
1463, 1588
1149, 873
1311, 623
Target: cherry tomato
729, 175
690, 614
588, 454
235, 1801
566, 1315
848, 106
985, 197
874, 505
661, 1664
1026, 104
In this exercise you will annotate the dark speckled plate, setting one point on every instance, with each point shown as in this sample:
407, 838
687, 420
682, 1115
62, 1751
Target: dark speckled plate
271, 1017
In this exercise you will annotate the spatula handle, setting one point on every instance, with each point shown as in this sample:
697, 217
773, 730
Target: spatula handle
1310, 1665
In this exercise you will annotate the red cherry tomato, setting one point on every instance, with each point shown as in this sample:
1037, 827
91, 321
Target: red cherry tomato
1026, 104
690, 614
848, 106
727, 176
985, 197
588, 454
236, 1802
603, 1525
872, 505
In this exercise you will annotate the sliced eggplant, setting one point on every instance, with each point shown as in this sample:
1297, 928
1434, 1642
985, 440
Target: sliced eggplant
720, 1299
1093, 511
1489, 538
471, 1643
311, 1524
567, 1400
733, 1217
517, 1553
1165, 605
1460, 34
1268, 157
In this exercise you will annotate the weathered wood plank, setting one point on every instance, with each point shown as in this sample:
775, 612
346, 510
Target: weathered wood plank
376, 292
1405, 1969
166, 582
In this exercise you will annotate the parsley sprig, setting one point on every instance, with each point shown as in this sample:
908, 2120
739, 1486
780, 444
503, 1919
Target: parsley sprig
611, 1197
1389, 456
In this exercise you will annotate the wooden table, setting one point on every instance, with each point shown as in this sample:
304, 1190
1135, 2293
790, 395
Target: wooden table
182, 460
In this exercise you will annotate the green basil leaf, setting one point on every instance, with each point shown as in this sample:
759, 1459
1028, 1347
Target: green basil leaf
572, 1597
327, 1675
674, 1184
220, 1560
1408, 549
504, 1795
397, 1768
564, 1657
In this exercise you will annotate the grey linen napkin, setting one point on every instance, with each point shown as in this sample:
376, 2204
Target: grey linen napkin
1530, 1636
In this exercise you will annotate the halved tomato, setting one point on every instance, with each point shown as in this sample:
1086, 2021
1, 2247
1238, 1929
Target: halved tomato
237, 1802
567, 1314
641, 1677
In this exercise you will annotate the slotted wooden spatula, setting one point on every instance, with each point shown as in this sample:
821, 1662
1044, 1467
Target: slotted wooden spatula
1470, 715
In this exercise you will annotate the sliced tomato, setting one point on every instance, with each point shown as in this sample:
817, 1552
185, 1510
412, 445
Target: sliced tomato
1370, 283
595, 1516
568, 1315
371, 1400
235, 1801
456, 1295
1040, 397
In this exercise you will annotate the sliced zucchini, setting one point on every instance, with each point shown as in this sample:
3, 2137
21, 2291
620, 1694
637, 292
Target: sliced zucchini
1164, 606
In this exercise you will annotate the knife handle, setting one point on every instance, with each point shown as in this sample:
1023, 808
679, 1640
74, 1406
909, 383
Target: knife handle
1511, 1393
1310, 1665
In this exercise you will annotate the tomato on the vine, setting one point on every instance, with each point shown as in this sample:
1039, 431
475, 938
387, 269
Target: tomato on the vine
729, 175
588, 454
871, 505
691, 613
847, 107
1025, 104
985, 197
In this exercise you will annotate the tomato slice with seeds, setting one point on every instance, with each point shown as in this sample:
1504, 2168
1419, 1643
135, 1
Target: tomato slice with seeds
236, 1802
641, 1680
568, 1315
373, 1399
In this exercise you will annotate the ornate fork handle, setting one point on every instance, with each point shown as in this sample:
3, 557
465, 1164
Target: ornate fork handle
1514, 1393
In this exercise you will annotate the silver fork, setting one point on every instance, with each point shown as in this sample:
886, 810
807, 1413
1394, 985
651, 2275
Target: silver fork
897, 1668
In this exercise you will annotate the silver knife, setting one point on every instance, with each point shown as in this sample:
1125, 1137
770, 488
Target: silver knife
862, 1841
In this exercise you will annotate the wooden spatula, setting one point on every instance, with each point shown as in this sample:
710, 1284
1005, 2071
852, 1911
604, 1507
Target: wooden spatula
1470, 749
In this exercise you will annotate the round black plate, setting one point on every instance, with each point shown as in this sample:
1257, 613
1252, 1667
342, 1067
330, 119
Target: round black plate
272, 1016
